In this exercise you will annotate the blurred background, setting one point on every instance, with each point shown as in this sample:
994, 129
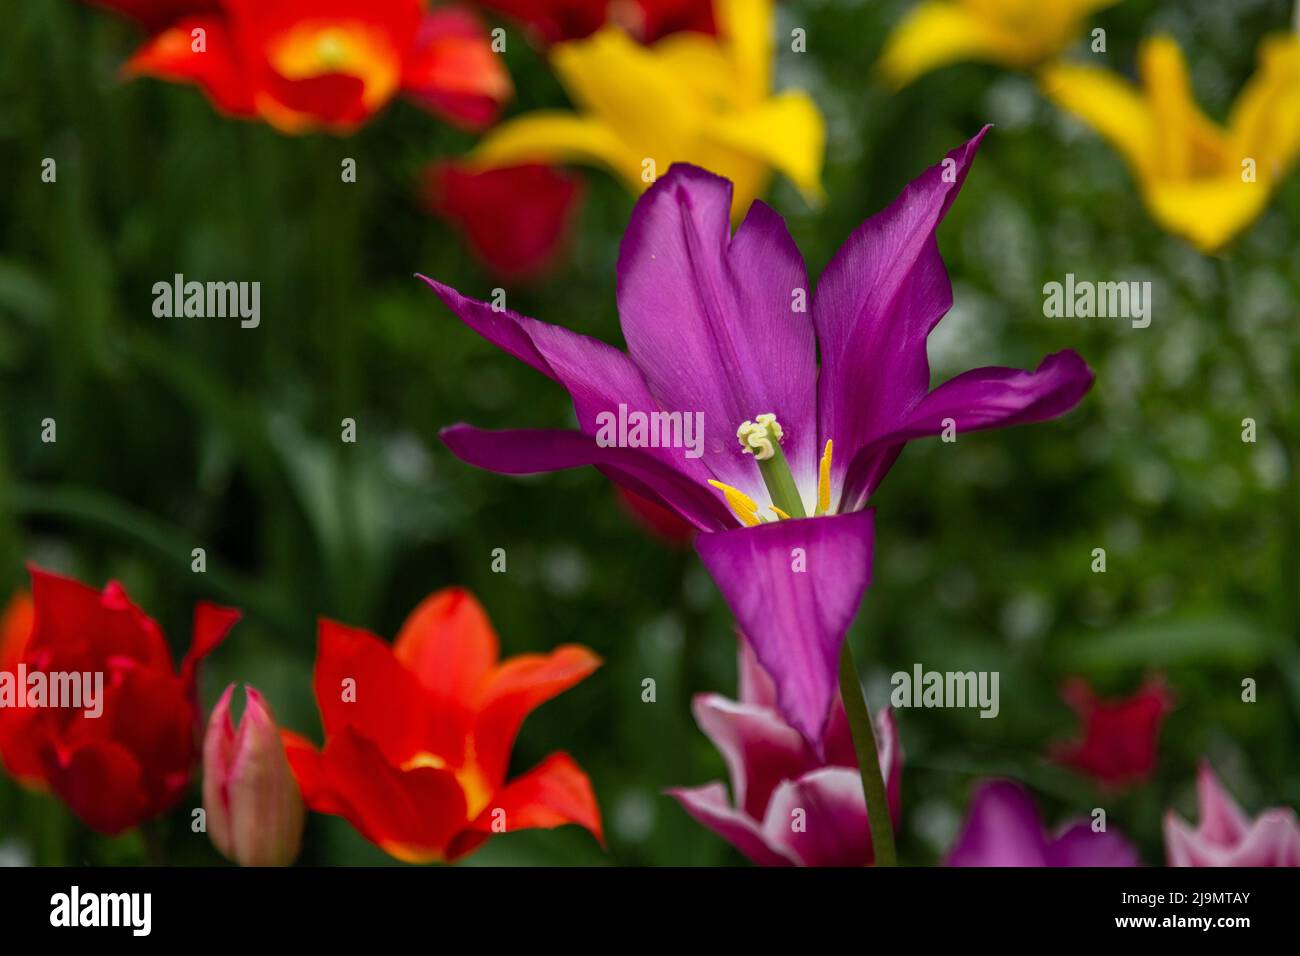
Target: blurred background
175, 434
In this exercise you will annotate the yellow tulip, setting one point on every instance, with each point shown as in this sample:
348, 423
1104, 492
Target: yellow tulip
1200, 180
688, 98
1013, 33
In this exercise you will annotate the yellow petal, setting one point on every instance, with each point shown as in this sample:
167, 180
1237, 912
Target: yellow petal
1265, 120
624, 84
552, 136
1188, 144
787, 132
746, 30
1110, 105
937, 33
1209, 213
703, 65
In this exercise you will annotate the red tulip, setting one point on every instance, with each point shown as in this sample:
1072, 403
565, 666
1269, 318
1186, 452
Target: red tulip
1118, 746
651, 20
553, 21
418, 736
302, 65
133, 761
664, 524
156, 14
254, 810
514, 219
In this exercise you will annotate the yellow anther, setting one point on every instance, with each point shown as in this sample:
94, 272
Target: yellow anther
743, 505
779, 513
824, 481
759, 437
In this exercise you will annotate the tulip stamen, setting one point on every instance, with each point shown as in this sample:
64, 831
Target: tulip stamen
824, 481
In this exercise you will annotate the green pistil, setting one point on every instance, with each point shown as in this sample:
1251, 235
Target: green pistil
780, 483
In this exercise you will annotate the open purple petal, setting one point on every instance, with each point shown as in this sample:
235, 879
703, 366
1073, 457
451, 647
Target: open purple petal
597, 376
708, 805
979, 399
529, 451
794, 587
718, 324
876, 302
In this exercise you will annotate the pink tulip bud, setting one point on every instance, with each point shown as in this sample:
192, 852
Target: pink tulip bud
254, 810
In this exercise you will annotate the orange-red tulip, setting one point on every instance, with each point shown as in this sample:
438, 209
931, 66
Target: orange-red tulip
418, 735
303, 65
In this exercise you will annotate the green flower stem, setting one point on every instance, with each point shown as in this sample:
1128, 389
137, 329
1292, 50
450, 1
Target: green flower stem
864, 743
780, 483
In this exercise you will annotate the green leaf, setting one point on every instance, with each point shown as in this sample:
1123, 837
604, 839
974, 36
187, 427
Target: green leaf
1215, 637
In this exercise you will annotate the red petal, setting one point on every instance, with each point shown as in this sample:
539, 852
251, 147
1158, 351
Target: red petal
218, 70
211, 626
658, 18
552, 794
334, 100
101, 784
312, 773
551, 21
411, 814
514, 219
449, 644
514, 689
153, 717
158, 13
453, 70
21, 736
658, 519
82, 628
15, 629
1119, 742
387, 704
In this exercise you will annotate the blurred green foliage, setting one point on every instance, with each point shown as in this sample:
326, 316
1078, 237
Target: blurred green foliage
174, 434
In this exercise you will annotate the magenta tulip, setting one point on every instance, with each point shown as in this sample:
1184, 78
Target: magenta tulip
1004, 828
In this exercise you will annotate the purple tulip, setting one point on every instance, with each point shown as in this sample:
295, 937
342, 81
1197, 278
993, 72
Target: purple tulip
787, 806
721, 330
1004, 828
1226, 836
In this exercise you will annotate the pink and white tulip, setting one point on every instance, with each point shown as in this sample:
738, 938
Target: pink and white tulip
1225, 836
254, 811
787, 807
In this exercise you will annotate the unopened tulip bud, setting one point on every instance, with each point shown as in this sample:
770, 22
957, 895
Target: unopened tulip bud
254, 810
